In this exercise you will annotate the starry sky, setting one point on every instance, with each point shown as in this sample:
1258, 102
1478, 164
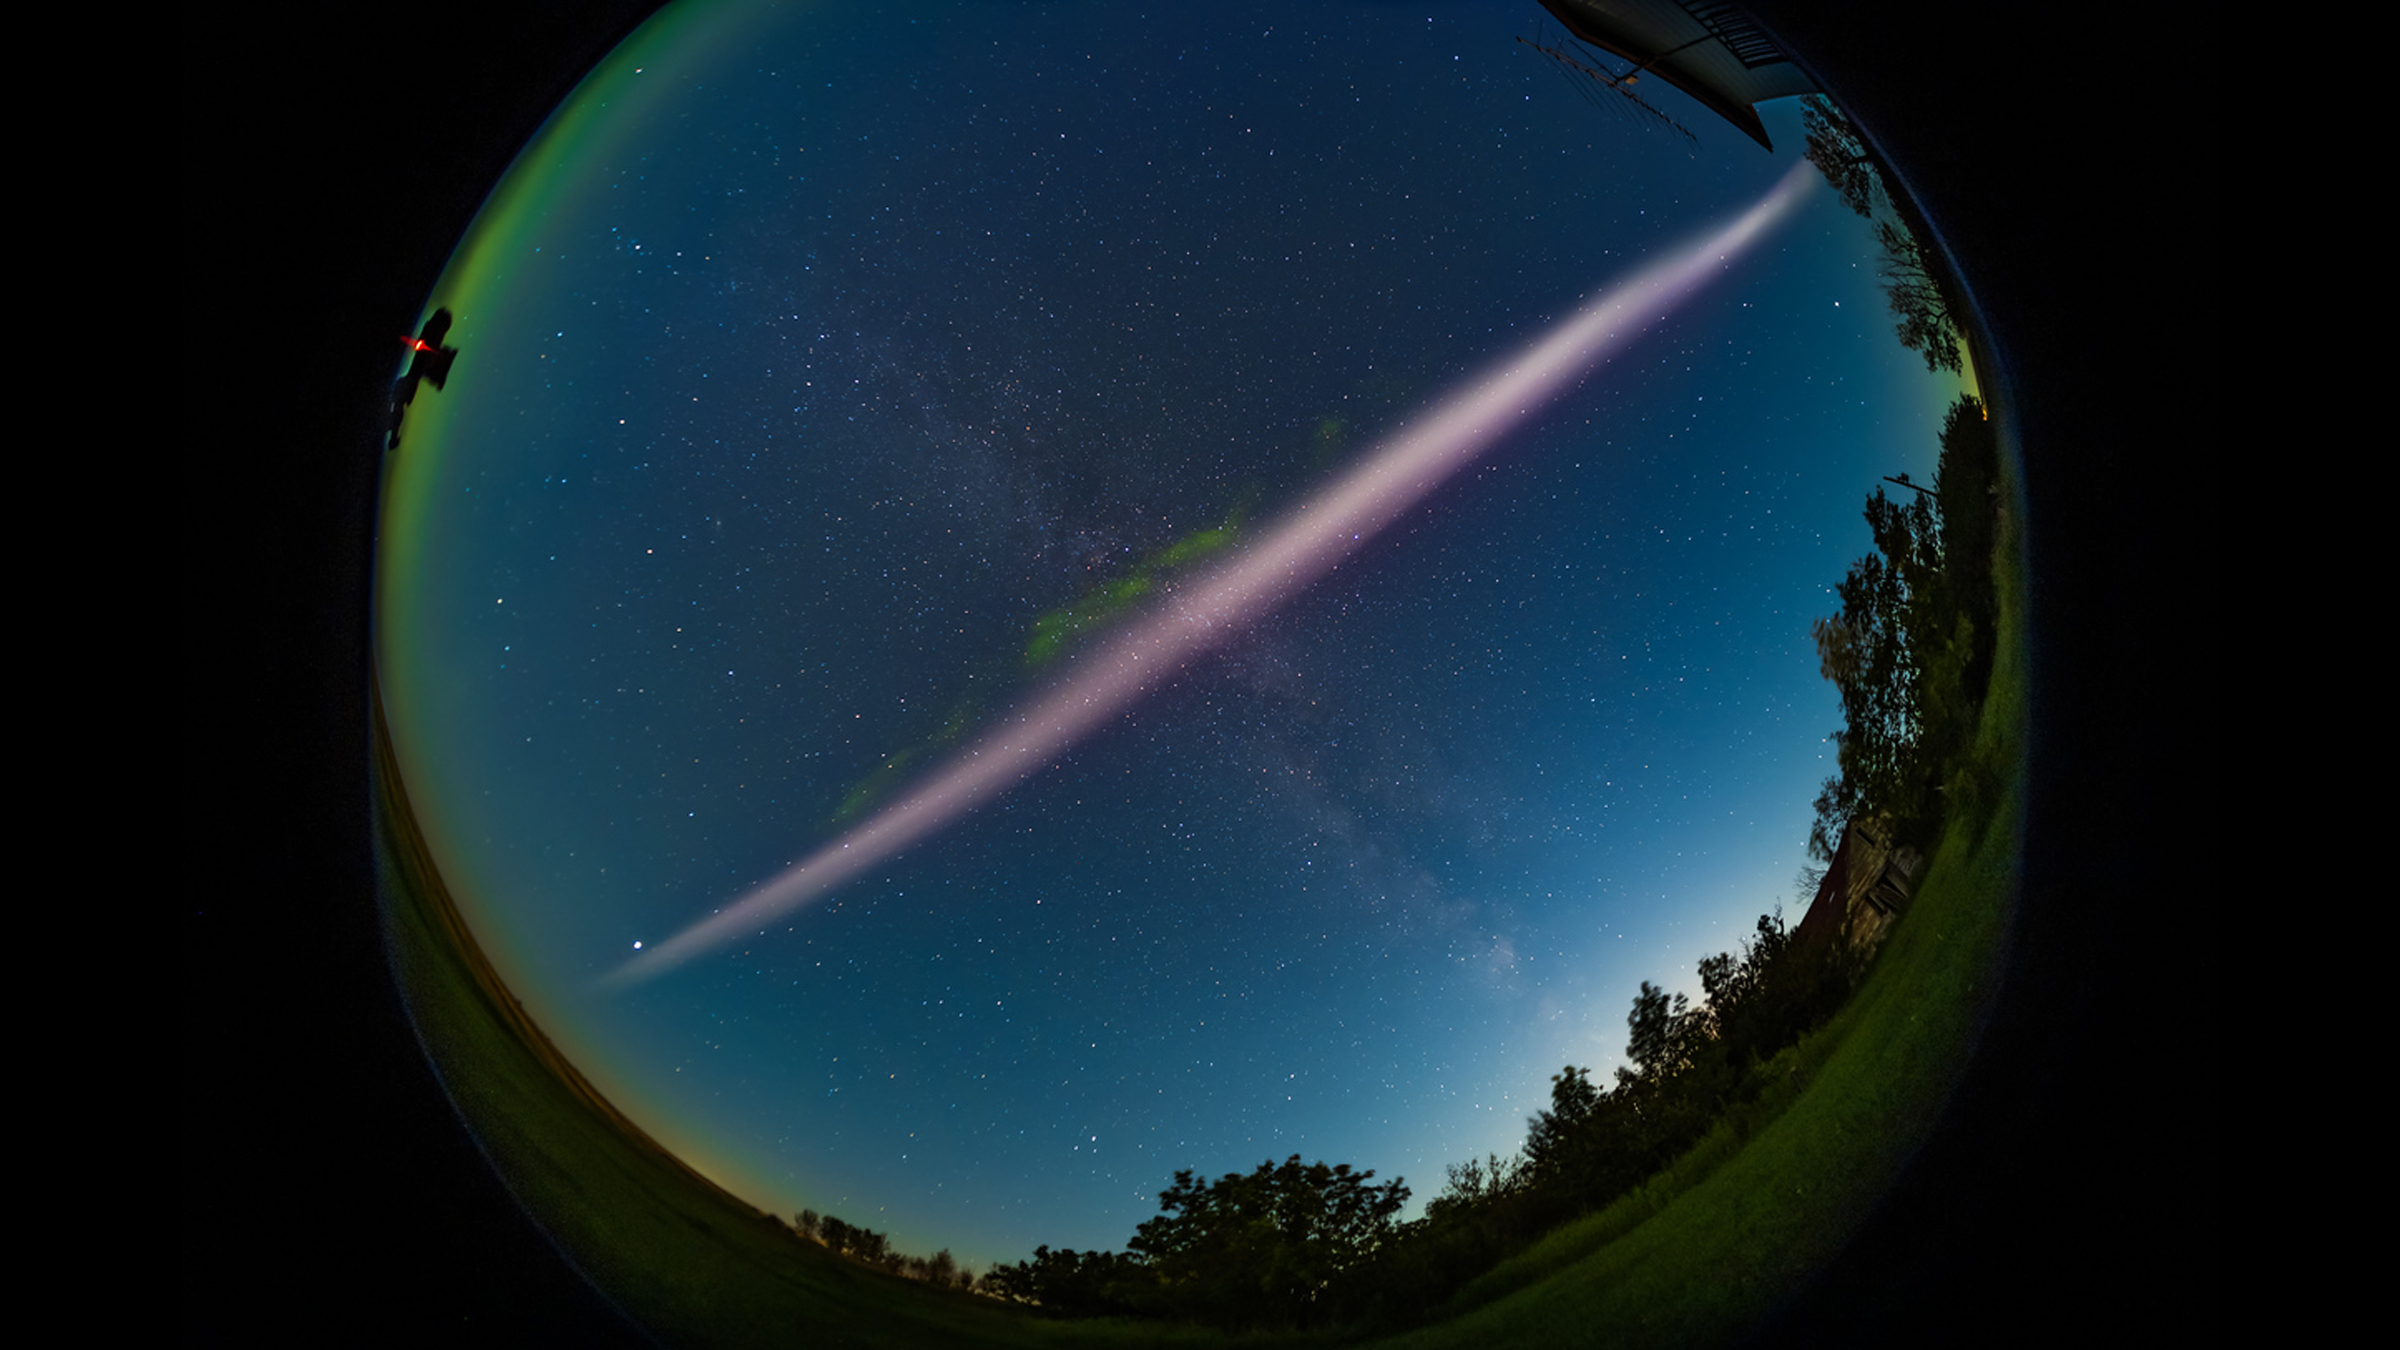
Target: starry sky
831, 376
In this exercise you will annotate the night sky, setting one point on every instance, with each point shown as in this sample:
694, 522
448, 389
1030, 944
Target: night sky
830, 381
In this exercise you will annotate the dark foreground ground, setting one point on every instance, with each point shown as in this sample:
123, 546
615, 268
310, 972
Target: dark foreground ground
327, 1194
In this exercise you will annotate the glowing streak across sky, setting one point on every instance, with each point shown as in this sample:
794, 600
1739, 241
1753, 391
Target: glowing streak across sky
1298, 549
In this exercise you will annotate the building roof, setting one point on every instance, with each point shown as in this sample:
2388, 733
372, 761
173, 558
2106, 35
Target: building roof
1707, 48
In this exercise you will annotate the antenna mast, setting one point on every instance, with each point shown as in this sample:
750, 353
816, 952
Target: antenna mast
1593, 84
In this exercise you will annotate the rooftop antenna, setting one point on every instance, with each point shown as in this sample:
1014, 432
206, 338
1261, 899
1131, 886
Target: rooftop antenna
1597, 85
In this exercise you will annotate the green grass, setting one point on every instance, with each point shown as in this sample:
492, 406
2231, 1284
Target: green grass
1700, 1253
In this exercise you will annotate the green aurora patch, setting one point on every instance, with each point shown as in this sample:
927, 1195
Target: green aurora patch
1057, 631
1052, 634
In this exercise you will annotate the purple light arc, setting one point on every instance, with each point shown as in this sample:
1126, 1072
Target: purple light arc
1299, 548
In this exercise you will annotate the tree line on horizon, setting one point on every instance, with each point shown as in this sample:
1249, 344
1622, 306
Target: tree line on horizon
870, 1248
1923, 295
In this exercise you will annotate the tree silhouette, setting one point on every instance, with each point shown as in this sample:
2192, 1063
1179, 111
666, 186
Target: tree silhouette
1868, 654
1914, 282
1911, 651
1555, 1135
1841, 154
1914, 291
1069, 1283
1664, 1034
1263, 1249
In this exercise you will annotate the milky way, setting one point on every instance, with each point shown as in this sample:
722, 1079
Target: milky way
1308, 542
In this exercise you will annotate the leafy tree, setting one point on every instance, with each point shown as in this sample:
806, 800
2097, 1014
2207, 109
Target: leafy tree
1868, 653
1914, 283
1478, 1182
1264, 1249
1967, 493
1772, 994
1914, 290
1665, 1033
863, 1245
1960, 626
1841, 154
1069, 1283
1911, 651
1592, 1144
1555, 1136
1736, 988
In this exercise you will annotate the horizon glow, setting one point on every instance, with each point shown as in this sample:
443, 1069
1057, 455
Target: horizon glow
1195, 618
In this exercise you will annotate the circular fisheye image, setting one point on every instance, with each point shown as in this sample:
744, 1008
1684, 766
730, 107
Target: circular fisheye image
1050, 675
